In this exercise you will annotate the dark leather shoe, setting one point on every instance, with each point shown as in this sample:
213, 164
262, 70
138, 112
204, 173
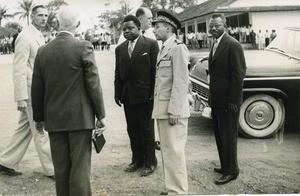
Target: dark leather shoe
218, 170
132, 167
51, 177
9, 171
225, 179
147, 170
157, 145
164, 193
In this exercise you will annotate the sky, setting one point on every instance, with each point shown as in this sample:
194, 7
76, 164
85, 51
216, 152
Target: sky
89, 9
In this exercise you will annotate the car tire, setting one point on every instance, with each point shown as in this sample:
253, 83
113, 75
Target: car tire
261, 116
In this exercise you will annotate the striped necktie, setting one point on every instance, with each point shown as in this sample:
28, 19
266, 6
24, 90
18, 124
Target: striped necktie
215, 47
130, 47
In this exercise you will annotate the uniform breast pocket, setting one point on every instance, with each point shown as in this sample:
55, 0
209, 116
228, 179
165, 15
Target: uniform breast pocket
164, 68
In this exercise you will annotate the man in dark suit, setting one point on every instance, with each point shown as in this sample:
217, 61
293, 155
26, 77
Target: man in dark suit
134, 84
227, 69
67, 96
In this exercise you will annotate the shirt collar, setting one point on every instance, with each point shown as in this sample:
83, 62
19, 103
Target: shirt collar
67, 32
35, 30
168, 40
134, 41
219, 39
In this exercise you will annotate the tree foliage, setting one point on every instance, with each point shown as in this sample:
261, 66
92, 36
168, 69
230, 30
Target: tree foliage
13, 25
172, 6
113, 19
26, 6
4, 14
53, 7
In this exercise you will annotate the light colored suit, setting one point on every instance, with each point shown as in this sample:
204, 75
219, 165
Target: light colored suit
171, 97
26, 46
171, 85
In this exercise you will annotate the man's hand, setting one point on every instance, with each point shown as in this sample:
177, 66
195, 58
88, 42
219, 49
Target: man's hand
233, 107
118, 102
173, 119
203, 59
22, 105
191, 100
100, 126
40, 127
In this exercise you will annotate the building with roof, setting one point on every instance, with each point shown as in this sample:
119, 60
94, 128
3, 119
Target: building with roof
261, 14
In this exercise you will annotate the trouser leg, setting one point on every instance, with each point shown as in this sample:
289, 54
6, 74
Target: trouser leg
60, 149
80, 154
71, 153
17, 147
227, 145
173, 140
146, 125
133, 130
42, 145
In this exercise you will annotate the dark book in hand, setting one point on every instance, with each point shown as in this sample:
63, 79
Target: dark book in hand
98, 142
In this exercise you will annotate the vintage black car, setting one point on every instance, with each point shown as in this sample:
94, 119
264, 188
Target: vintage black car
271, 86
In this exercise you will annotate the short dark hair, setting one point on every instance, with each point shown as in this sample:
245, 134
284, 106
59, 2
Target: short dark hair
219, 15
134, 19
33, 10
139, 12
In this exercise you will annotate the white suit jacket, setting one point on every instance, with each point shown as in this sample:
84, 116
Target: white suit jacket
171, 82
26, 46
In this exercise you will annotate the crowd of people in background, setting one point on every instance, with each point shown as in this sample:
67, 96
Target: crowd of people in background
100, 41
201, 39
7, 44
244, 34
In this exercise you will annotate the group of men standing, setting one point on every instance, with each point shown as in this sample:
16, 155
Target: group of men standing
57, 87
153, 84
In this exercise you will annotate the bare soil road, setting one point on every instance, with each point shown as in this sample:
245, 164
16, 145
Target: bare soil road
266, 166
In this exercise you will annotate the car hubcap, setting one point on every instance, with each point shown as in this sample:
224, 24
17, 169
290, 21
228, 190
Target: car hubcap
259, 115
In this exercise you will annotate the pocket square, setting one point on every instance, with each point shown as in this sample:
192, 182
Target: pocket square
145, 54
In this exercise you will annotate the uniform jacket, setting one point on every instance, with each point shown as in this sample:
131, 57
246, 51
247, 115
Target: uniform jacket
171, 82
26, 46
134, 77
66, 91
227, 70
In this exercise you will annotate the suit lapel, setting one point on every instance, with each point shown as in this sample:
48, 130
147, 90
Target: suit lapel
221, 47
37, 36
165, 50
140, 44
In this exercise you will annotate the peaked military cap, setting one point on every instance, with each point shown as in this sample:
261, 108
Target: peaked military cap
163, 16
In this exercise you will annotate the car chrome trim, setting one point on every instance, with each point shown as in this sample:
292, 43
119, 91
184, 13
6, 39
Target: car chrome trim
199, 82
273, 78
275, 90
200, 88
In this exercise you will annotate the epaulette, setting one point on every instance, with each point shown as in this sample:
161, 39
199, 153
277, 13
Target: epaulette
178, 41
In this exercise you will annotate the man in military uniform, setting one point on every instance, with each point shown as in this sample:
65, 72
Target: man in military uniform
171, 107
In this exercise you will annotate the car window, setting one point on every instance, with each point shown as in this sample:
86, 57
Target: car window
287, 42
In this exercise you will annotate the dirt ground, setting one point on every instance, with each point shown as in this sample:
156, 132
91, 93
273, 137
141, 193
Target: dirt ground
266, 166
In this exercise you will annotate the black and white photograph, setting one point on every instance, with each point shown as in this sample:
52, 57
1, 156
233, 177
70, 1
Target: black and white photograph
149, 97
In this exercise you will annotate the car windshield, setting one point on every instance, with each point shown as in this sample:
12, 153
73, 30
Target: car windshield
287, 42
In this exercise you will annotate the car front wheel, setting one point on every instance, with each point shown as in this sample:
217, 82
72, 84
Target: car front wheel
261, 116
